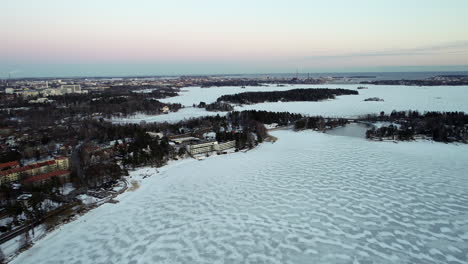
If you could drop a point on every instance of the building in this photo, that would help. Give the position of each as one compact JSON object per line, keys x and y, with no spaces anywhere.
{"x":16,"y":173}
{"x":27,"y":93}
{"x":155,"y":134}
{"x":165,"y":109}
{"x":213,"y":146}
{"x":63,"y":163}
{"x":9,"y":165}
{"x":201,"y":148}
{"x":41,"y":100}
{"x":62,"y":175}
{"x":182,"y":140}
{"x":226,"y":145}
{"x":9,"y":91}
{"x":209,"y":136}
{"x":70,"y":88}
{"x":51,"y":91}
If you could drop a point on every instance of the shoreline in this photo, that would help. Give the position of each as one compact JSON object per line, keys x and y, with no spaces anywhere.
{"x":86,"y":209}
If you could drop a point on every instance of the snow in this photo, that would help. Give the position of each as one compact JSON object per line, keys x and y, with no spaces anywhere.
{"x":24,"y":196}
{"x":5,"y":221}
{"x":209,"y":135}
{"x":443,"y":98}
{"x":436,"y":98}
{"x":382,"y":124}
{"x":87,"y":199}
{"x":172,"y":117}
{"x":48,"y":205}
{"x":271,"y":126}
{"x":308,"y":198}
{"x":67,"y":188}
{"x":12,"y":246}
{"x":194,"y":95}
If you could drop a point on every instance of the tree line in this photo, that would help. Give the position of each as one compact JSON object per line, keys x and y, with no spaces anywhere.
{"x":285,"y":96}
{"x":405,"y":125}
{"x":319,"y":123}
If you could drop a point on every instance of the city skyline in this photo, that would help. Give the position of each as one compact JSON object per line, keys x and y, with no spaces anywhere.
{"x":89,"y":38}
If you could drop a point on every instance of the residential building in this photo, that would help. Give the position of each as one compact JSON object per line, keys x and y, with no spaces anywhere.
{"x":9,"y":165}
{"x":70,"y":88}
{"x":62,"y":175}
{"x":165,"y":109}
{"x":201,"y":148}
{"x":16,"y":173}
{"x":208,"y":147}
{"x":9,"y":91}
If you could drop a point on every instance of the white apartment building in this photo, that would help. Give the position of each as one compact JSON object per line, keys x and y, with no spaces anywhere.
{"x":70,"y":88}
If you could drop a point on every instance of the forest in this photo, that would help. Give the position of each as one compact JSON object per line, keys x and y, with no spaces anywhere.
{"x":319,"y":123}
{"x":84,"y":105}
{"x":406,"y":125}
{"x":216,"y":106}
{"x":285,"y":96}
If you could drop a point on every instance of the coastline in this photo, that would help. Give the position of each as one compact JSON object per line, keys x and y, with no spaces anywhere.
{"x":139,"y":175}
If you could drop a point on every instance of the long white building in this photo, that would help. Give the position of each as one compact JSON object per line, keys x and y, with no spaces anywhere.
{"x":209,"y":147}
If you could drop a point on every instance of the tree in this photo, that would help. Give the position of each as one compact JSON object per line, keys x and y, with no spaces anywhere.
{"x":25,"y":239}
{"x":181,"y":152}
{"x":10,"y":155}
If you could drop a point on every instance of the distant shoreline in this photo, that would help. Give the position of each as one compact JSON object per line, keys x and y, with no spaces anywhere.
{"x":356,"y":75}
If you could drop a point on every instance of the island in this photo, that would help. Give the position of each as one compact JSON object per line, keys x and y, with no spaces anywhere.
{"x":375,"y":99}
{"x":410,"y":125}
{"x":293,"y":95}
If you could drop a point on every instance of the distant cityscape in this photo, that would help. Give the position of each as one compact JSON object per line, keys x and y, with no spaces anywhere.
{"x":45,"y":87}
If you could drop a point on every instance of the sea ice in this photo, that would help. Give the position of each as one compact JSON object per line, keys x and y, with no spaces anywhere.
{"x":308,"y":198}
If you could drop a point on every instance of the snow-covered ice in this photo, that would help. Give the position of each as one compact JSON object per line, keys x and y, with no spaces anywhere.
{"x":308,"y":198}
{"x":194,"y":95}
{"x":401,"y":98}
{"x":436,"y":98}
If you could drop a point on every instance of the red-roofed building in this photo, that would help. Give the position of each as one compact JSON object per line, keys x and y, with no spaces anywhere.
{"x":63,"y":176}
{"x":9,"y":165}
{"x":19,"y":173}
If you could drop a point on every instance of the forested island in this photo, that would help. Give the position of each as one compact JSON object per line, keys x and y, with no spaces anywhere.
{"x":216,"y":106}
{"x":285,"y":96}
{"x":409,"y":125}
{"x":373,"y":99}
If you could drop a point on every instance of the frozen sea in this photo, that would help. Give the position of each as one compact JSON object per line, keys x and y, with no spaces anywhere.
{"x":308,"y":198}
{"x":434,"y":98}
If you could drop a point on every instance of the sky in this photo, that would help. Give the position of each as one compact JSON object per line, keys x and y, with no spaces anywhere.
{"x":50,"y":38}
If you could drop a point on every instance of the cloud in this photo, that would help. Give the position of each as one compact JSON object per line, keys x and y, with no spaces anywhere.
{"x":449,"y":48}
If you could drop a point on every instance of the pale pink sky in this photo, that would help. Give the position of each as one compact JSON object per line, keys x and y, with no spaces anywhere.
{"x":306,"y":34}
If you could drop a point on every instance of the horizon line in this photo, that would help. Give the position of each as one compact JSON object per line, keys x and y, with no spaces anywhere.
{"x":220,"y":74}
